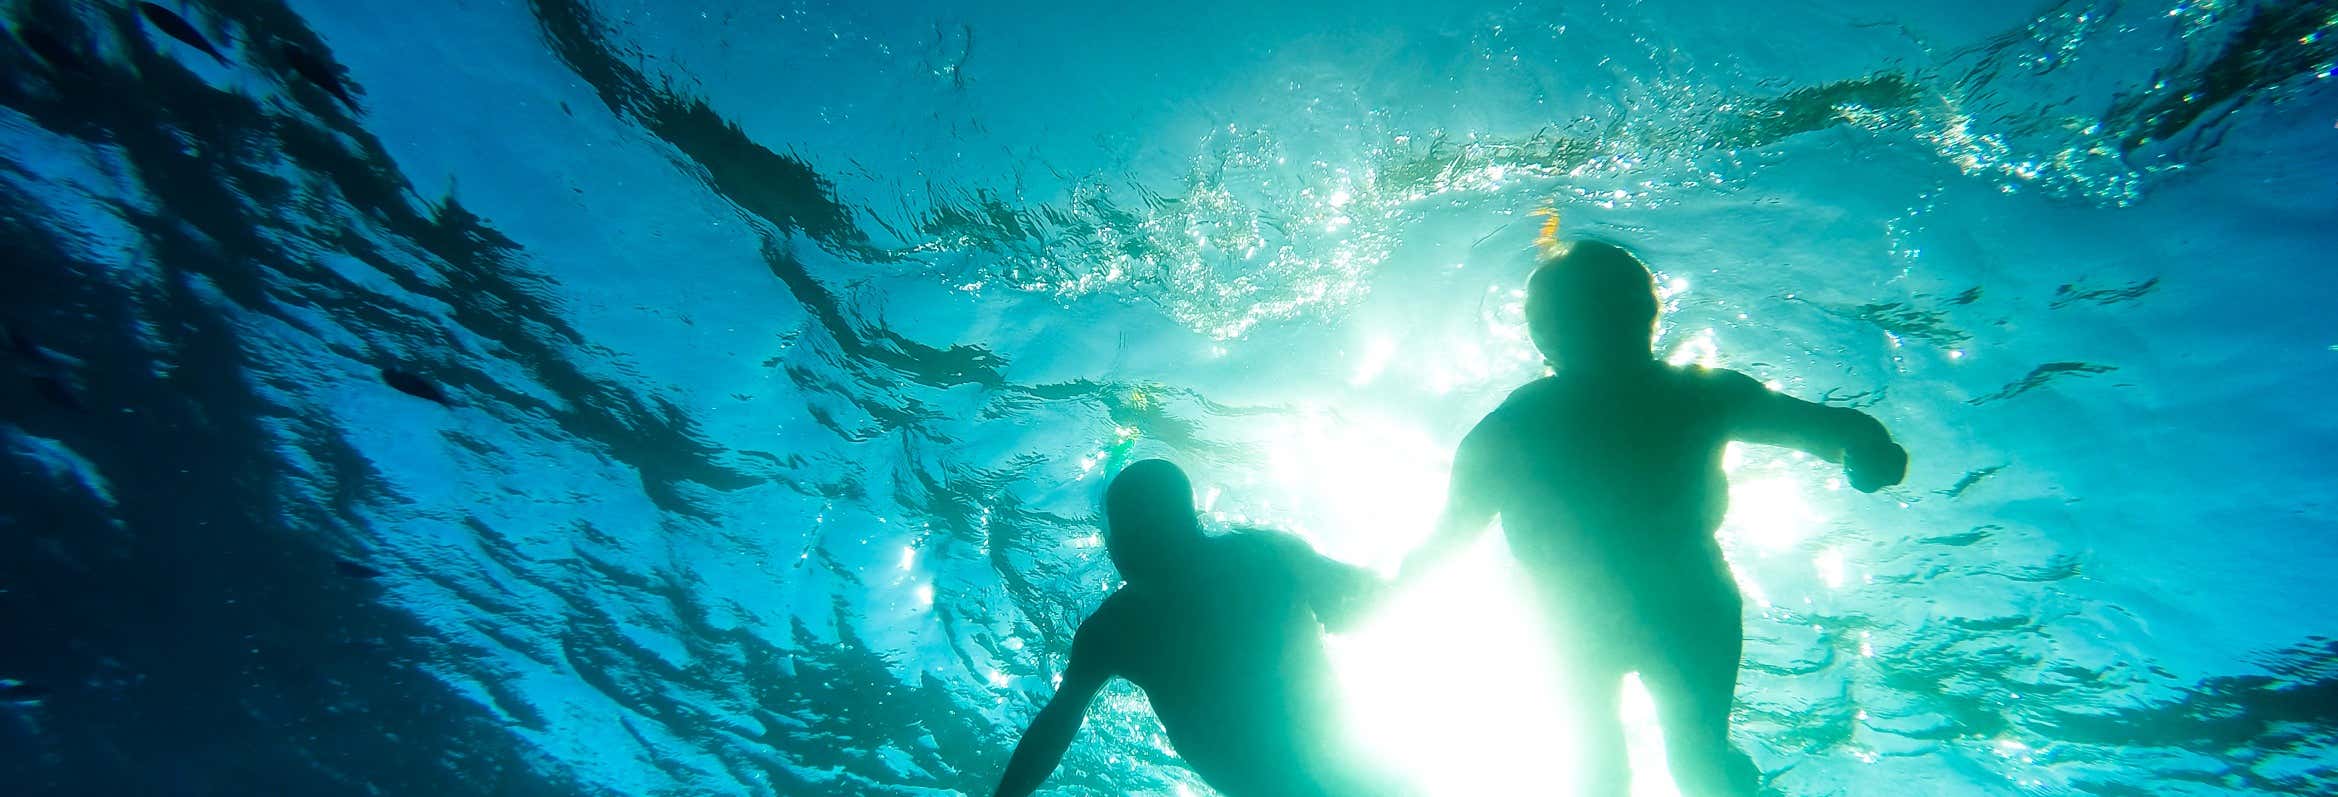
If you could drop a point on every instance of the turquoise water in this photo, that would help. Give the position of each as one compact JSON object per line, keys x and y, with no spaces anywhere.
{"x":784,"y":348}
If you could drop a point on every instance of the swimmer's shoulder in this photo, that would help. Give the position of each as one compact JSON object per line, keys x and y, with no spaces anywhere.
{"x":1119,"y":608}
{"x":1104,"y":637}
{"x":1551,"y":395}
{"x":1267,"y":536}
{"x":1721,"y":385}
{"x":1526,"y":406}
{"x":1540,"y":391}
{"x":1265,"y":546}
{"x":1530,"y":399}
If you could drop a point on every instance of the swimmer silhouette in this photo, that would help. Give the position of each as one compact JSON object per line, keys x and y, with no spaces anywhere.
{"x":1224,"y":634}
{"x":1607,"y":478}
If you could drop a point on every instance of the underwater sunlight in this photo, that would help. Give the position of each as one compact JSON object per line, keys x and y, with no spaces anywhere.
{"x":909,"y":398}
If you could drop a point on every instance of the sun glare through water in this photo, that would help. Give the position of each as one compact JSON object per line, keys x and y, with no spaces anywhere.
{"x":1451,"y":684}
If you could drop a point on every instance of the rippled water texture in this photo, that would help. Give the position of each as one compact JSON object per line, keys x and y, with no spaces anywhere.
{"x":632,"y":397}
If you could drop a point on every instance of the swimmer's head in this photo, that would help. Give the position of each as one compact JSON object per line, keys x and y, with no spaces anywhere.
{"x":1149,"y":519}
{"x":1591,"y":304}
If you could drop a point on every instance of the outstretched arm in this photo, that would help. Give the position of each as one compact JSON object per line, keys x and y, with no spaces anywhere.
{"x":1338,"y":592}
{"x":1469,"y":507}
{"x":1052,"y":731}
{"x":1836,"y":434}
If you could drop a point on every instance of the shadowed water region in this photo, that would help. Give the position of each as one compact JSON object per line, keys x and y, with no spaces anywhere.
{"x":623,"y":397}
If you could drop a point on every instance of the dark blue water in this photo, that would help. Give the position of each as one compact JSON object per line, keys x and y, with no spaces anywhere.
{"x":568,"y":397}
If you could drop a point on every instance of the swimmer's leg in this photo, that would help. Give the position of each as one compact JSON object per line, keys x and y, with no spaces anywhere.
{"x":1694,"y":684}
{"x":1602,"y":768}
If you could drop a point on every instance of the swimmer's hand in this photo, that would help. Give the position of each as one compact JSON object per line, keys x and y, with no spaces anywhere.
{"x":1873,"y":468}
{"x":1362,"y":598}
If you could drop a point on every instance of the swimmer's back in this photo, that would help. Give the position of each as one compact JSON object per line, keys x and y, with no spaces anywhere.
{"x":1613,"y":470}
{"x":1246,"y":618}
{"x":1233,"y":664}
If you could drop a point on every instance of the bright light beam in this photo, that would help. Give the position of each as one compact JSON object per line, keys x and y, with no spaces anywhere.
{"x":1454,"y":684}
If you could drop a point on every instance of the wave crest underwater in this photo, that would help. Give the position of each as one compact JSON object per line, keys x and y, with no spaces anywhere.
{"x":629,"y":398}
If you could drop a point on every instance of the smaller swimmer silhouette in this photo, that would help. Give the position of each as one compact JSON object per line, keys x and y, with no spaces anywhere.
{"x":416,"y":385}
{"x":325,"y":75}
{"x":1224,"y":634}
{"x":52,"y":50}
{"x":1607,"y":478}
{"x":177,"y":27}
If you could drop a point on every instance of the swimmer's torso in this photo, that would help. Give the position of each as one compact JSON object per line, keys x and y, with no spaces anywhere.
{"x":1612,"y":485}
{"x":1234,"y":666}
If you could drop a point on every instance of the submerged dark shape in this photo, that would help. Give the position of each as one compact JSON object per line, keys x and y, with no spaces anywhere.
{"x":177,"y":26}
{"x":52,"y":50}
{"x":196,"y":471}
{"x":315,"y":70}
{"x":20,"y":344}
{"x":416,"y":386}
{"x":2069,"y":294}
{"x":1970,"y":478}
{"x":50,"y":373}
{"x":1224,"y":634}
{"x":2041,"y":375}
{"x":1607,"y":478}
{"x":1764,"y":122}
{"x":781,"y":188}
{"x":14,"y":691}
{"x":355,"y":569}
{"x":58,"y":390}
{"x":1909,"y":321}
{"x":2278,"y":43}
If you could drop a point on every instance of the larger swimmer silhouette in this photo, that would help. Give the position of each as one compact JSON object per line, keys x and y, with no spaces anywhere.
{"x":1607,"y":477}
{"x":1224,"y":634}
